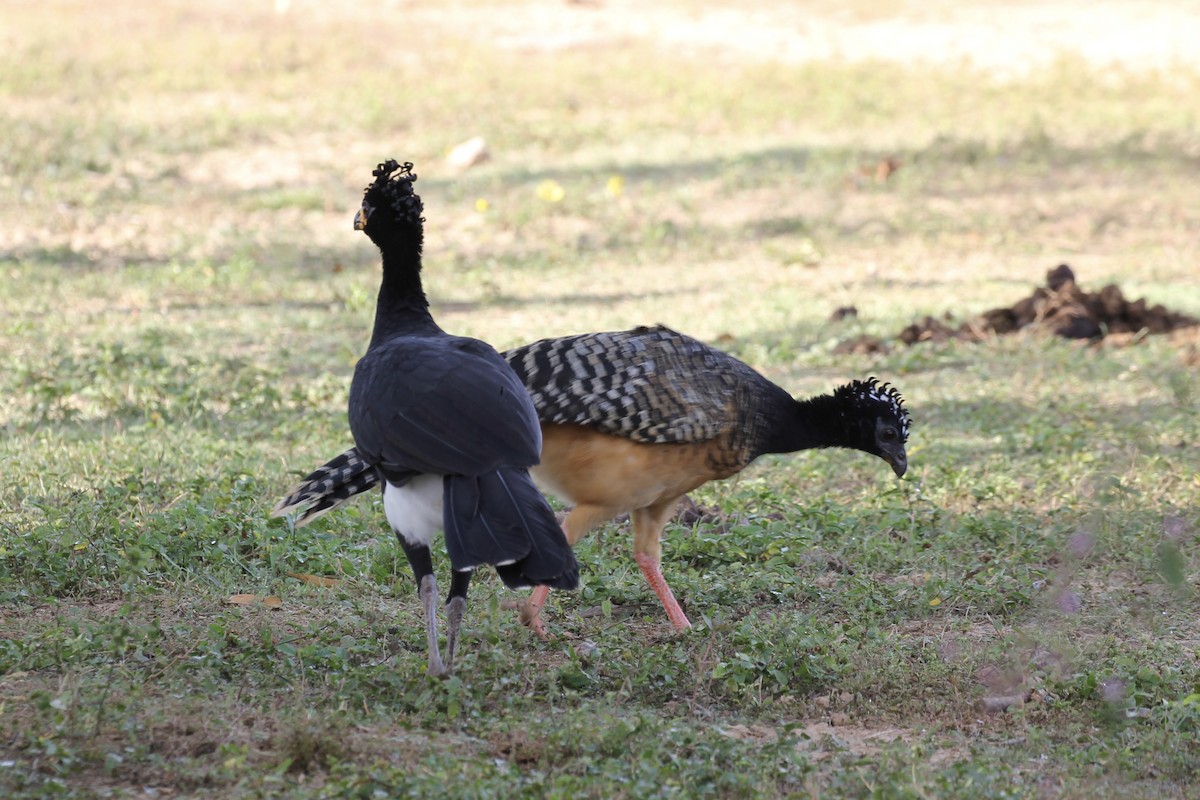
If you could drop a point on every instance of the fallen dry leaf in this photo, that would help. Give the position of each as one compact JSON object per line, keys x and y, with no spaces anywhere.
{"x":818,"y":737}
{"x":270,"y":601}
{"x":754,"y":733}
{"x":314,"y":580}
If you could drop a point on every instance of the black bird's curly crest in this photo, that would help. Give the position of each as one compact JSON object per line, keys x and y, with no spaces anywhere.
{"x":871,"y":392}
{"x":393,"y":186}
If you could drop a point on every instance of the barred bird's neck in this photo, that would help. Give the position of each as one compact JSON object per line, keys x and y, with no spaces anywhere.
{"x":817,"y":422}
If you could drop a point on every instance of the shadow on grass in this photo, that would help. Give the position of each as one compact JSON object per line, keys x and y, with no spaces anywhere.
{"x":568,"y":299}
{"x":770,"y":161}
{"x":830,"y":167}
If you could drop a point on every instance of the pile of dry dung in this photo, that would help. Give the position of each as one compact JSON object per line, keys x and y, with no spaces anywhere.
{"x":1060,"y":308}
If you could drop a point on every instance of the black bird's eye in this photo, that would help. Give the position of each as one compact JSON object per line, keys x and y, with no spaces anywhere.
{"x":888,"y":434}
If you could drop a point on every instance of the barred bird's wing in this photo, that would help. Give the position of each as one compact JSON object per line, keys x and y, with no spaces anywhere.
{"x":649,"y":384}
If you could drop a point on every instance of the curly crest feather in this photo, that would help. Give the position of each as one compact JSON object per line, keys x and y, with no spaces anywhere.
{"x":393,"y":186}
{"x":872,"y":391}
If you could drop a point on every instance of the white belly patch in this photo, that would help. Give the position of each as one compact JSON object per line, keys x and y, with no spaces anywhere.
{"x":414,"y":510}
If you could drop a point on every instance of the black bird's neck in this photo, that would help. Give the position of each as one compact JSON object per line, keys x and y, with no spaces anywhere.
{"x":820,"y":421}
{"x":402,"y":306}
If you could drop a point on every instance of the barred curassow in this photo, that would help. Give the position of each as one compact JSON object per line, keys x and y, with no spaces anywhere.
{"x":633,"y":420}
{"x":449,"y":429}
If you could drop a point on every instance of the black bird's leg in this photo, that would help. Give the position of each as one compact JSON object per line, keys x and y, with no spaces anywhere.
{"x":456,"y":604}
{"x":422,"y":565}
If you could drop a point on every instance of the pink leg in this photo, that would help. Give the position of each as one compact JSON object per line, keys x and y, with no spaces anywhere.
{"x":579,"y":521}
{"x":531,"y":611}
{"x":653,"y":572}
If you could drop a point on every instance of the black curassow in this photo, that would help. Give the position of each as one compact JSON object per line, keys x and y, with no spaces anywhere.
{"x":632,"y":420}
{"x":444,"y":423}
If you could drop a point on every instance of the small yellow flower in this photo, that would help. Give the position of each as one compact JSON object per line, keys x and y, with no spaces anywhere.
{"x":482,"y":205}
{"x":615,"y":185}
{"x":937,"y":601}
{"x":80,"y":546}
{"x":550,"y":191}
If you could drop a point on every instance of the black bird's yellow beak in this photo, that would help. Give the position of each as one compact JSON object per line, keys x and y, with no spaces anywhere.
{"x":360,"y":219}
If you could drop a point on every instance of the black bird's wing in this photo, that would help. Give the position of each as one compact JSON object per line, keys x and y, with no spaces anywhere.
{"x":441,"y":404}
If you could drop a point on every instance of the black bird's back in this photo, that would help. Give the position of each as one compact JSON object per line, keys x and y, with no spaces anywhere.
{"x":435,"y":403}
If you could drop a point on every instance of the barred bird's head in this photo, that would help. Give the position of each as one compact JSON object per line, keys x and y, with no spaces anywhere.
{"x":877,"y":414}
{"x":391,"y":211}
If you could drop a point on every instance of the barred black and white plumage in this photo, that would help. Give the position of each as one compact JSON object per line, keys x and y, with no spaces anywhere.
{"x":649,"y":384}
{"x":327,"y":487}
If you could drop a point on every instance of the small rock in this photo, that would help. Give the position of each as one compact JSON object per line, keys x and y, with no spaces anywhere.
{"x":1174,"y":527}
{"x":862,"y":345}
{"x":690,"y":513}
{"x":844,"y":312}
{"x":1070,"y":602}
{"x":466,"y":155}
{"x":997,"y":703}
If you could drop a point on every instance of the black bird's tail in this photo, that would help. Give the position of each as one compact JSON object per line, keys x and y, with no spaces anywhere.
{"x":332,"y":484}
{"x":500,"y":518}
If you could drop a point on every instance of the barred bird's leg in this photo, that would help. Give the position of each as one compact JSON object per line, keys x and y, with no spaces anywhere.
{"x":581,"y":519}
{"x":648,"y":524}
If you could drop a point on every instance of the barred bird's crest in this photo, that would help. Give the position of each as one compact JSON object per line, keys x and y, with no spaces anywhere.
{"x":870,"y":395}
{"x":650,"y":385}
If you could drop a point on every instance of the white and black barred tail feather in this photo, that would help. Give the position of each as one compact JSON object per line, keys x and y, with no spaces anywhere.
{"x":328,"y":487}
{"x":500,"y":518}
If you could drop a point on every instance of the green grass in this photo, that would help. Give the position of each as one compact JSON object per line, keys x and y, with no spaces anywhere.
{"x":183,"y":302}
